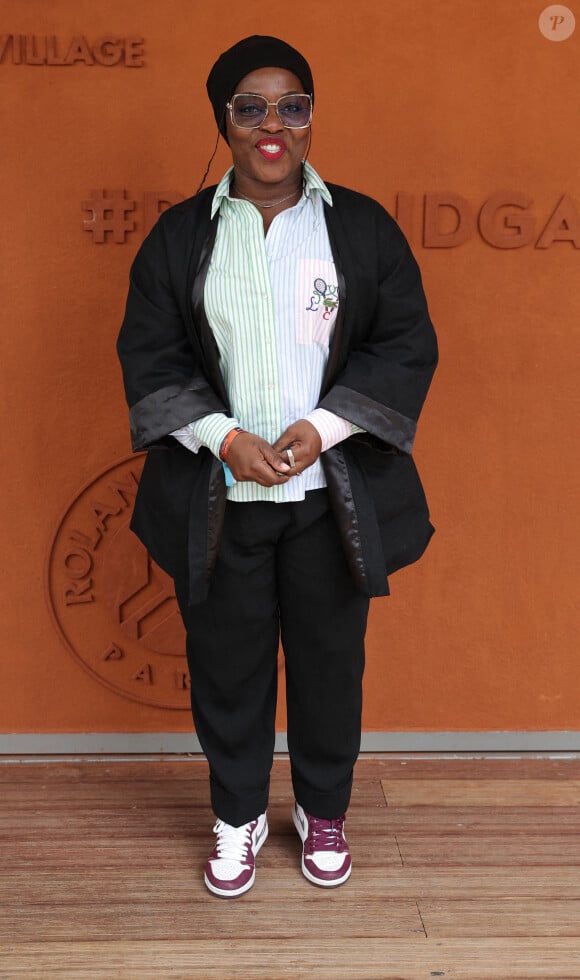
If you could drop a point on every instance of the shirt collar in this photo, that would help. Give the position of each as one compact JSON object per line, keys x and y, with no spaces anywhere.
{"x":312,"y":183}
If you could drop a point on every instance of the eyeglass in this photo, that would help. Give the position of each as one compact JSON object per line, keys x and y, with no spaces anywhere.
{"x":249,"y":111}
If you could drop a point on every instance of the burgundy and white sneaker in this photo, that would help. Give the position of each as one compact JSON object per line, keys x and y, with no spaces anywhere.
{"x":325,"y":854}
{"x":231,"y":866}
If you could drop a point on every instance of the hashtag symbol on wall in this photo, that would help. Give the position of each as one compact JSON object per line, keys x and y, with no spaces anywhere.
{"x":109,"y":210}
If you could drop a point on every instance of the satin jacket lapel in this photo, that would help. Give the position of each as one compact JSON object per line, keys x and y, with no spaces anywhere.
{"x":338,"y":338}
{"x":199,"y":322}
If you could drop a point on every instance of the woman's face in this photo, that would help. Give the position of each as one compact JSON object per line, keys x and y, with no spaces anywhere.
{"x":270,"y":154}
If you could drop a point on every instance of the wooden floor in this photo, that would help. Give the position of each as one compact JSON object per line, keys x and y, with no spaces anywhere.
{"x":462,"y":869}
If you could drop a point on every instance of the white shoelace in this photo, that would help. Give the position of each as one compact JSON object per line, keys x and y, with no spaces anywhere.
{"x":233,"y":842}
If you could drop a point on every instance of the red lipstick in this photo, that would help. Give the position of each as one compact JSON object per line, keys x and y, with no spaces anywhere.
{"x":271,"y":148}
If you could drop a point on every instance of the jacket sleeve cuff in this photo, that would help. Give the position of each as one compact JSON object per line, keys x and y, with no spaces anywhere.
{"x":331,"y":428}
{"x":380,"y":420}
{"x":167,"y":409}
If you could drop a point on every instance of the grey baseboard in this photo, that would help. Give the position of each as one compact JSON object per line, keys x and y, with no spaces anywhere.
{"x":178,"y":743}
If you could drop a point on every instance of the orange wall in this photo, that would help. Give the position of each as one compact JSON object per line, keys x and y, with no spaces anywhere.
{"x":457,"y":97}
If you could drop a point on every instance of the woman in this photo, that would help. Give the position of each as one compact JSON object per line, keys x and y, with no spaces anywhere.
{"x":276,"y":352}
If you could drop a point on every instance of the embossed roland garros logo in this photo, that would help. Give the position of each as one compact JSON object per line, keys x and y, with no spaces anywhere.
{"x":113,"y":606}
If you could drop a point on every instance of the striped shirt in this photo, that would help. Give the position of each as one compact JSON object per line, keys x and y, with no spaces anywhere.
{"x":271,"y":302}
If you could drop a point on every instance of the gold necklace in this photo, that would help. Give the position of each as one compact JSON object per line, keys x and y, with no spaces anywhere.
{"x":274,"y":205}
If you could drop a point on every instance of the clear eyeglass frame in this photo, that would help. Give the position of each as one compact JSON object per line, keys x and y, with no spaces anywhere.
{"x":245,"y":95}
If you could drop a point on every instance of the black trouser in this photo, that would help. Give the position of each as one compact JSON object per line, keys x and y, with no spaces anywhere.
{"x":281,"y":570}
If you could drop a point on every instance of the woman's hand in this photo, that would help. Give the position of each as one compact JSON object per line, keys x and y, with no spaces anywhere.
{"x":304,"y":441}
{"x":251,"y":458}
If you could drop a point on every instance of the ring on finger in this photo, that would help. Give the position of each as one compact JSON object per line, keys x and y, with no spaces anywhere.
{"x":291,"y":459}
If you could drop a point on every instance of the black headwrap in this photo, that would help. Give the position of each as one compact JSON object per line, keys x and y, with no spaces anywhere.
{"x":246,"y":56}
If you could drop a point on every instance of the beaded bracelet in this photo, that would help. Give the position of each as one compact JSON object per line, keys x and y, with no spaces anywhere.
{"x":227,"y":441}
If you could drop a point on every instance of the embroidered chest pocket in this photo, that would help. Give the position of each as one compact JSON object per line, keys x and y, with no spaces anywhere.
{"x":317,"y":295}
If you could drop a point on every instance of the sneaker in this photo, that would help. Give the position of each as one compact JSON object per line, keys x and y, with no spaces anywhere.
{"x":231,"y":868}
{"x":325,"y":854}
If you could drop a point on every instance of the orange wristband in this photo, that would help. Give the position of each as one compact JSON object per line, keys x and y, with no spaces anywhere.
{"x":227,"y":441}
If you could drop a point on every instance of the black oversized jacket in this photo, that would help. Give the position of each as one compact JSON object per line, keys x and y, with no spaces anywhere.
{"x":381,"y":360}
